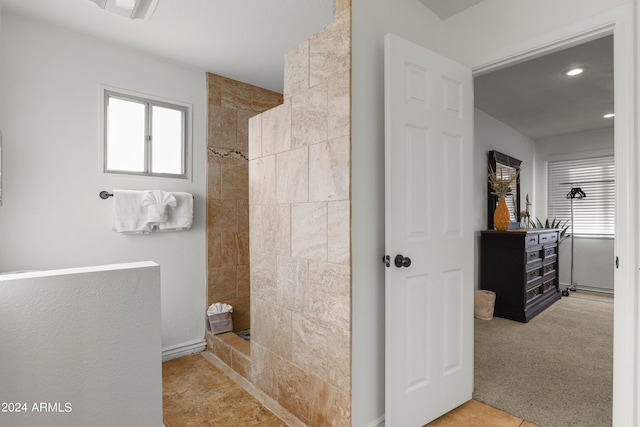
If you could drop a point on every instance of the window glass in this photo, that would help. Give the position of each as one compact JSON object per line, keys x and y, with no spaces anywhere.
{"x":167,"y":130}
{"x":125,"y":135}
{"x":144,"y":136}
{"x":594,"y":203}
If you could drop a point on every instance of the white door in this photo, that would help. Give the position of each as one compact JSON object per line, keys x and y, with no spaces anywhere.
{"x":429,"y":220}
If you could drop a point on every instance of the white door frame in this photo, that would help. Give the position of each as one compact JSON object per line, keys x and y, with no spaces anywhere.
{"x":619,"y":22}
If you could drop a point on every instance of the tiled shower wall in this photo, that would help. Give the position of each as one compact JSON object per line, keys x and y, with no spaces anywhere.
{"x":299,"y":208}
{"x":231,"y":104}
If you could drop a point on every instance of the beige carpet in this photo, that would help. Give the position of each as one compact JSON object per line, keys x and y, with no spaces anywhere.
{"x":556,"y":370}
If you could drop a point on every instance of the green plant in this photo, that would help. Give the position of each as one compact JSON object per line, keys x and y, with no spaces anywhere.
{"x":559,"y":224}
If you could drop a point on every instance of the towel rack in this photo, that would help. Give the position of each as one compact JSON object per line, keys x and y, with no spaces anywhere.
{"x":104,"y":195}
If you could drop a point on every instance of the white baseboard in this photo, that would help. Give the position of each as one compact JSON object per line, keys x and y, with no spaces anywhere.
{"x":377,"y":423}
{"x":183,"y":349}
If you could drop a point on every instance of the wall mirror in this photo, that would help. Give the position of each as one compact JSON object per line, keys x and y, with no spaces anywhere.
{"x":505,"y":166}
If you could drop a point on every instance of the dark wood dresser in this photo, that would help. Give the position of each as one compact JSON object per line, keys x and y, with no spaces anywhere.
{"x":521,"y":267}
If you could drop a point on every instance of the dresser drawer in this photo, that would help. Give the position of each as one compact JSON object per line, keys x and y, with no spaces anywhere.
{"x":531,"y":240}
{"x":549,"y":269}
{"x":533,"y":275}
{"x":533,"y":294}
{"x":547,"y":238}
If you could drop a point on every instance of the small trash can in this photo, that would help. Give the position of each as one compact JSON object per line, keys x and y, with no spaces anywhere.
{"x":219,"y":318}
{"x":483,"y":304}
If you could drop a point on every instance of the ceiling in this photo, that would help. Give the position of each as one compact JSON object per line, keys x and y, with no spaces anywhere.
{"x":534,"y":97}
{"x":448,"y":8}
{"x":241,"y":39}
{"x":246,"y":40}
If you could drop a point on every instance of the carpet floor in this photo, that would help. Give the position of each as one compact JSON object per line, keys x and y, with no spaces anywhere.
{"x":556,"y":370}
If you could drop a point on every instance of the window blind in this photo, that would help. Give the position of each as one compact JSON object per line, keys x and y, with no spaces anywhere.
{"x":593,"y":215}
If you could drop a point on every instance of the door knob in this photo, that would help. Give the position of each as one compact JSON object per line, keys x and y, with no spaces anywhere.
{"x":401,"y":261}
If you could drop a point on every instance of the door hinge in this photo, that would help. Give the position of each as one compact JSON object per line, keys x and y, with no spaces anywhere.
{"x":617,"y":262}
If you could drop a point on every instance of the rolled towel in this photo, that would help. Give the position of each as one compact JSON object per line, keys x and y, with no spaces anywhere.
{"x":157,"y":202}
{"x":218,"y":308}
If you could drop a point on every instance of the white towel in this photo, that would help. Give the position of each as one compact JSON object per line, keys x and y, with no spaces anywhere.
{"x":129,"y":216}
{"x":157,"y":202}
{"x":218,"y":308}
{"x":180,"y":216}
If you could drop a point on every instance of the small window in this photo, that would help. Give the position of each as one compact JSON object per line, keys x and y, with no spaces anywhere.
{"x":144,"y":136}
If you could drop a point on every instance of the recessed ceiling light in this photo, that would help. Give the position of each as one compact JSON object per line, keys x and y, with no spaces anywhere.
{"x":608,"y":115}
{"x":571,"y":72}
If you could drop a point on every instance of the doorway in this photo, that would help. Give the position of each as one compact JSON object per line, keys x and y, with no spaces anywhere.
{"x":624,"y":159}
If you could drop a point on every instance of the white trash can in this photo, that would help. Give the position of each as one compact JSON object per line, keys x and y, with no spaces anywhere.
{"x":483,"y":304}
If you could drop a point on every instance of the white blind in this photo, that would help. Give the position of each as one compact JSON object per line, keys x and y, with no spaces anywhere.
{"x":593,"y":214}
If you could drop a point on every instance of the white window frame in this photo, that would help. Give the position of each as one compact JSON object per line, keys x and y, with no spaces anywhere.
{"x":149,"y":101}
{"x":594,"y":216}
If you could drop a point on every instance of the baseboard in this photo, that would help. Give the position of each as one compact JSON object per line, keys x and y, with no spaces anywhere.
{"x":183,"y":349}
{"x":588,"y":288}
{"x":377,"y":423}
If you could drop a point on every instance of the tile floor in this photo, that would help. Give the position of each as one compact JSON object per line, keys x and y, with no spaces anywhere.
{"x":199,"y":390}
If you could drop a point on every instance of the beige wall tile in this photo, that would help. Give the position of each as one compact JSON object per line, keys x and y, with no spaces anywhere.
{"x":213,"y":249}
{"x":222,"y":215}
{"x":309,"y":116}
{"x":214,"y":178}
{"x":296,"y":70}
{"x":229,"y":249}
{"x":241,"y":312}
{"x":244,"y":257}
{"x":256,"y":238}
{"x":244,"y":282}
{"x":263,"y":99}
{"x":339,"y":232}
{"x":292,"y":169}
{"x":243,"y":129}
{"x":330,"y":49}
{"x":255,"y":137}
{"x":329,"y":170}
{"x":284,"y":230}
{"x":262,"y":181}
{"x":339,"y":364}
{"x":222,"y":284}
{"x":310,"y":346}
{"x":243,"y":214}
{"x":294,"y":389}
{"x":342,"y":5}
{"x":276,"y":129}
{"x":263,"y":277}
{"x":329,"y":406}
{"x":270,"y":228}
{"x":271,"y":328}
{"x":235,"y":180}
{"x":213,"y":89}
{"x":264,"y":369}
{"x":222,"y":127}
{"x":234,"y":94}
{"x":293,"y":278}
{"x":309,"y":231}
{"x":329,"y":296}
{"x":339,"y":97}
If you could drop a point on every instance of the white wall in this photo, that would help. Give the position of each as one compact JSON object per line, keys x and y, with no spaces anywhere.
{"x":485,"y":32}
{"x":52,"y":216}
{"x":85,"y":342}
{"x":593,"y":258}
{"x":492,"y":134}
